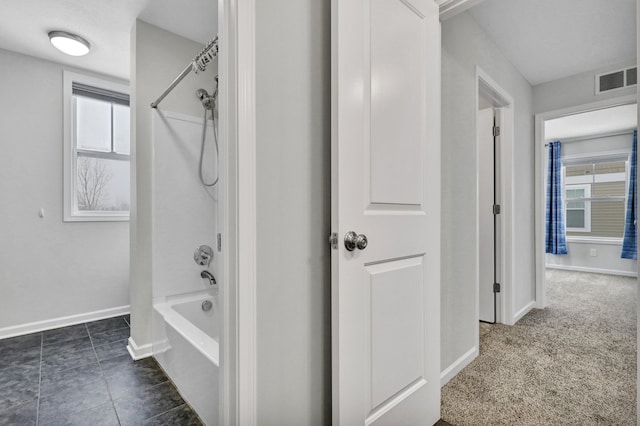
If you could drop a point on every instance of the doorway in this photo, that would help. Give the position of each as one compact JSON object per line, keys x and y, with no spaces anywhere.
{"x":599,"y":134}
{"x":494,"y":137}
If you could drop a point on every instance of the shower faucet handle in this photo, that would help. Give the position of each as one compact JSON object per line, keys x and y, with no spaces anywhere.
{"x":203,"y":255}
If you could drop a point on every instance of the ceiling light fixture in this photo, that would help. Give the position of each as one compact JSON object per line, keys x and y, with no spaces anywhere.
{"x":68,"y":43}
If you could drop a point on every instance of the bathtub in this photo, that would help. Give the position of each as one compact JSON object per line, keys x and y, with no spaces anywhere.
{"x":185,"y":344}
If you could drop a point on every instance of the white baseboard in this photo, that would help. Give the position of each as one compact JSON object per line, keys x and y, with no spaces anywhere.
{"x":33,"y":327}
{"x":524,"y":311}
{"x":594,"y":270}
{"x":139,"y":352}
{"x":457,"y":366}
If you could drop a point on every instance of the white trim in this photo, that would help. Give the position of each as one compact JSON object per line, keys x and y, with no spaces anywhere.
{"x":524,"y":311}
{"x":595,"y":240}
{"x":593,"y":270}
{"x":458,"y":365}
{"x":451,"y":8}
{"x":139,"y":352}
{"x":246,"y":328}
{"x":33,"y":327}
{"x":540,"y":178}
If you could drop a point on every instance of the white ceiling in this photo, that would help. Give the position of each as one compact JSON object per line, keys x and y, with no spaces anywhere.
{"x":106,"y":24}
{"x":551,"y":39}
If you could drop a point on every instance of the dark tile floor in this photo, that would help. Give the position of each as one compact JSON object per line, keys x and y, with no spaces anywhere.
{"x":83,"y":375}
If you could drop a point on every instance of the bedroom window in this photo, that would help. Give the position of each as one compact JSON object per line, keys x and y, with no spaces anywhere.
{"x":595,"y":194}
{"x":97,"y":150}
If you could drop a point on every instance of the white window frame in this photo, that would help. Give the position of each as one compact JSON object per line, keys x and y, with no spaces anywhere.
{"x":70,"y":154}
{"x":587,"y":206}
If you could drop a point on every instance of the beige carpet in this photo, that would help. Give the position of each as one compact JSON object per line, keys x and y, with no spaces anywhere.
{"x":572,"y":363}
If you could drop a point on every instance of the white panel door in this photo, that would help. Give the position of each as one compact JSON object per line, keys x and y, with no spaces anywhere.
{"x":386,"y":186}
{"x":485,"y":209}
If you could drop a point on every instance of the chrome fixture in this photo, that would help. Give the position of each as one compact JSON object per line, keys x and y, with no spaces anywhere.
{"x":203,"y":255}
{"x":207,"y":305}
{"x":353,"y":241}
{"x":69,"y":43}
{"x":208,"y":275}
{"x":209,"y":104}
{"x":199,"y":63}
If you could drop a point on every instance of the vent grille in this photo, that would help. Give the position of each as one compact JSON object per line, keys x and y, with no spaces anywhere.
{"x":618,"y":79}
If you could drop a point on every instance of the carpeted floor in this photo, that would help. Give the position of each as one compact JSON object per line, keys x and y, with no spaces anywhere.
{"x":572,"y":363}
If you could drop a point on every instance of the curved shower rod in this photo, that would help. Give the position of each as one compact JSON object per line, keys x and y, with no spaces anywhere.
{"x":198,"y":64}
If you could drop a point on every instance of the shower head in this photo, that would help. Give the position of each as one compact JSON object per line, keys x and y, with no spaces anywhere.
{"x":206,"y":56}
{"x":207,"y":101}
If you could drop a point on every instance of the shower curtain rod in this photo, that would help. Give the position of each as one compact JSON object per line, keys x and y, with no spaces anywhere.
{"x":199,"y":63}
{"x":601,"y":135}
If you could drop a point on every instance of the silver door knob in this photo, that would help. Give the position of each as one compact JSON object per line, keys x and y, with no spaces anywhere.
{"x":353,"y":241}
{"x":361,"y":241}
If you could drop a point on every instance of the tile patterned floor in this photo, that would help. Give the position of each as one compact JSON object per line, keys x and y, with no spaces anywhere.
{"x":83,"y":375}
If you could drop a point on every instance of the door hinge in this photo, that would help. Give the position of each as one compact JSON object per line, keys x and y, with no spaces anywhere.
{"x":333,"y":240}
{"x":219,"y":242}
{"x":496,"y":287}
{"x":496,"y":209}
{"x":496,"y":131}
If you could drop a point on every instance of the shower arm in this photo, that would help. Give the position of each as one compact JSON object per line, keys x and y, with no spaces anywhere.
{"x":198,"y":63}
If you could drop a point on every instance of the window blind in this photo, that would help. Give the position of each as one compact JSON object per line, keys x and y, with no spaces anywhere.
{"x":80,"y":89}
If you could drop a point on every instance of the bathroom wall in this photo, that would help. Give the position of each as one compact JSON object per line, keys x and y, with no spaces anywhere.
{"x":293,"y":210}
{"x":465,"y":45}
{"x":157,"y":57}
{"x":52,"y":273}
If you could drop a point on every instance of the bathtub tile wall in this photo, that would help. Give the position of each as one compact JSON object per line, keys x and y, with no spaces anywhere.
{"x":83,"y":374}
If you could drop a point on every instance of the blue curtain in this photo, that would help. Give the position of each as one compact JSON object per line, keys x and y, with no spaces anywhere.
{"x":630,"y":243}
{"x":556,"y":239}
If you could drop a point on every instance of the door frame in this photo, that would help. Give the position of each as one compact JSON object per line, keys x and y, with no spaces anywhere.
{"x":238,"y":385}
{"x":540,"y":179}
{"x":238,"y":355}
{"x":505,"y":112}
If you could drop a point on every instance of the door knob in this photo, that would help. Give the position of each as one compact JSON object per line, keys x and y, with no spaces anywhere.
{"x":361,"y":241}
{"x":353,"y":241}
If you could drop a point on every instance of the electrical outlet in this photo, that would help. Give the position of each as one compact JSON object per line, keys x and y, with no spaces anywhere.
{"x":593,"y":252}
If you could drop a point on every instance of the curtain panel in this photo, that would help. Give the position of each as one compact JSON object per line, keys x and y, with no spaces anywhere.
{"x":556,"y":238}
{"x":629,"y":242}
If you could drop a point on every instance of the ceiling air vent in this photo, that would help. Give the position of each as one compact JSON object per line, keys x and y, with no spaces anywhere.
{"x":618,"y":79}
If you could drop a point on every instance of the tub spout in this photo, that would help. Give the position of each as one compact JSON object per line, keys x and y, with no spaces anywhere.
{"x":208,"y":275}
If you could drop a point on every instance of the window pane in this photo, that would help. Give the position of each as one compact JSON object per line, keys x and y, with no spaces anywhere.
{"x":580,"y":170}
{"x":102,"y":184}
{"x":575,"y":193}
{"x":575,"y":219}
{"x":575,"y":205}
{"x":121,"y":129}
{"x":93,"y":124}
{"x":607,"y":219}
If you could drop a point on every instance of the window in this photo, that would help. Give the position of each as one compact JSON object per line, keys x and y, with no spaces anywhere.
{"x":595,"y":193}
{"x":97,"y":151}
{"x":578,"y":211}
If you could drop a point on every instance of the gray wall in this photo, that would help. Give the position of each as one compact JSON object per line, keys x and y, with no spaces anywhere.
{"x":48,"y":268}
{"x":293,"y":209}
{"x":575,"y":90}
{"x":464,"y":44}
{"x":157,"y":57}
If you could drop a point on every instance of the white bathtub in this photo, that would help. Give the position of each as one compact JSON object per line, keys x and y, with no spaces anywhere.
{"x":186,"y":347}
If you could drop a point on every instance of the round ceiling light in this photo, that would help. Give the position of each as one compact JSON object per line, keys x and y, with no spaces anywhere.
{"x":68,"y":43}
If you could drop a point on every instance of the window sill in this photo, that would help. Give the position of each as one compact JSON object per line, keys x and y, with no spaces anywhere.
{"x":97,"y":218}
{"x":595,"y":240}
